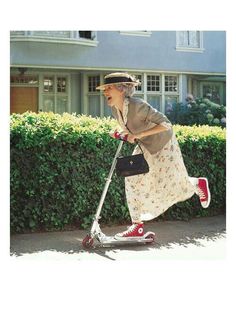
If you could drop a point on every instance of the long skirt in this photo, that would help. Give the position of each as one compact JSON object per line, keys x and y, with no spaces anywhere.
{"x":167,"y":183}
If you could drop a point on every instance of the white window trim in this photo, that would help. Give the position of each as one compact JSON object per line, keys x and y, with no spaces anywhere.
{"x":199,"y":49}
{"x":136,"y":33}
{"x":73,"y":39}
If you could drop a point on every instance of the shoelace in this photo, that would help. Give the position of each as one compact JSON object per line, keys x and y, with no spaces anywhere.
{"x":201,"y":193}
{"x":130,"y":229}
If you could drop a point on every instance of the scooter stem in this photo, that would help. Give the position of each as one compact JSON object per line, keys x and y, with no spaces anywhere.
{"x":108,"y":181}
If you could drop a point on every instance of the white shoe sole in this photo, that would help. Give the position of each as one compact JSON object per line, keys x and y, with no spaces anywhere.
{"x":132,"y":238}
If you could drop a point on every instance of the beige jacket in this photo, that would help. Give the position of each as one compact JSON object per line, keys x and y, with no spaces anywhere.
{"x":141,"y":117}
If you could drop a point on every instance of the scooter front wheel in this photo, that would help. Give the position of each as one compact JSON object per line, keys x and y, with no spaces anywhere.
{"x":87,"y":242}
{"x":150,"y":236}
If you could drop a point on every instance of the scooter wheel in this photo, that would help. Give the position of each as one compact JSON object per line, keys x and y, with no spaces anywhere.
{"x":150,"y":236}
{"x":87,"y":242}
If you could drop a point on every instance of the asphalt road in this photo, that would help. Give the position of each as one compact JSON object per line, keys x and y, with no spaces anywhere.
{"x":197,"y":239}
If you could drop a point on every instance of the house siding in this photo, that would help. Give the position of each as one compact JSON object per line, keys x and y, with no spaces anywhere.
{"x":113,"y":51}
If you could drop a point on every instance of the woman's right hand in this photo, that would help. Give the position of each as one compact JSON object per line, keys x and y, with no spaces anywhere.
{"x":112,"y":134}
{"x":118,"y":135}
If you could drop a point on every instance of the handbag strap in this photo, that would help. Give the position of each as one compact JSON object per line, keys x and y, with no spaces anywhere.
{"x":136,"y":140}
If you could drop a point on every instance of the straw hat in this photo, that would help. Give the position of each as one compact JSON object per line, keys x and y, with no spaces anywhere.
{"x":118,"y":78}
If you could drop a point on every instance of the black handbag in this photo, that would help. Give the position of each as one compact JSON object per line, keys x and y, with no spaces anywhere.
{"x":131,"y":165}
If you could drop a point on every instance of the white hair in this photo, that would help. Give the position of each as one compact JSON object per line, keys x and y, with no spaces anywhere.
{"x":128,"y":89}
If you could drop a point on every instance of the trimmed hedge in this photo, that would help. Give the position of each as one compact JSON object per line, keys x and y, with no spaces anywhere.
{"x":59,"y":165}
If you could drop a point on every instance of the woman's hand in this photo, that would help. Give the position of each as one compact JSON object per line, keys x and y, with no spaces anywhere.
{"x":112,"y":134}
{"x":118,"y":135}
{"x":132,"y":138}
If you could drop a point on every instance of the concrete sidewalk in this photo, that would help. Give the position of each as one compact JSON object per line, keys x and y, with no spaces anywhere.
{"x":198,"y":239}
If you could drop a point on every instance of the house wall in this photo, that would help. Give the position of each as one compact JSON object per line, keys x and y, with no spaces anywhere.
{"x":117,"y":51}
{"x":153,"y":53}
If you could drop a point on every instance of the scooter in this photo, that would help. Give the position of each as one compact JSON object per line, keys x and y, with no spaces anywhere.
{"x":96,"y":232}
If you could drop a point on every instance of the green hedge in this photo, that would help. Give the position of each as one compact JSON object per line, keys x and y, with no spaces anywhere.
{"x":59,"y":165}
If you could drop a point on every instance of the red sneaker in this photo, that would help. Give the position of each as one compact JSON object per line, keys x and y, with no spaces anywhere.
{"x":136,"y":230}
{"x":204,"y":192}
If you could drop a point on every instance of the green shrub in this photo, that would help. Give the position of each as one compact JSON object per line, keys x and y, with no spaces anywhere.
{"x":59,"y":165}
{"x":198,"y":112}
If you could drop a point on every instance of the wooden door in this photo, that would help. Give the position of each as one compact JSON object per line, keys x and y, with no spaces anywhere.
{"x":24,"y":99}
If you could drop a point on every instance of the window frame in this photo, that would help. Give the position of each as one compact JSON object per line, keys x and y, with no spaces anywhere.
{"x":55,"y":94}
{"x":186,"y":48}
{"x":136,"y":33}
{"x":143,"y":92}
{"x":160,"y":83}
{"x":15,"y":83}
{"x":210,"y":84}
{"x":177,"y":82}
{"x":73,"y":38}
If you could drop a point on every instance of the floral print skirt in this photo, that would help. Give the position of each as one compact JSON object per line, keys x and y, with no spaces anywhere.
{"x":167,"y":182}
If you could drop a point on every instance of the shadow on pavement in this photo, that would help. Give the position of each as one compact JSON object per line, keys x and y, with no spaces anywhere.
{"x":168,"y":235}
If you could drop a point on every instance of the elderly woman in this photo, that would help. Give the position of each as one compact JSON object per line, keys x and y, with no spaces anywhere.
{"x":167,"y":182}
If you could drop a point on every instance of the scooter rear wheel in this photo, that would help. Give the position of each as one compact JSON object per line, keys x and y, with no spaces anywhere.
{"x":87,"y":242}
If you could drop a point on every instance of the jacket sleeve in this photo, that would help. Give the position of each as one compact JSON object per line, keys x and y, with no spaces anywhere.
{"x":149,"y":114}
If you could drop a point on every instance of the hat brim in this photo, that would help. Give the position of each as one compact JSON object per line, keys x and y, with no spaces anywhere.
{"x":102,"y":87}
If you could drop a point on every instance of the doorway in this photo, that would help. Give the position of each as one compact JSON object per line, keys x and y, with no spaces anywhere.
{"x":23,"y":99}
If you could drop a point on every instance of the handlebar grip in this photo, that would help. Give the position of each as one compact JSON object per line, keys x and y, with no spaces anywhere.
{"x":118,"y":136}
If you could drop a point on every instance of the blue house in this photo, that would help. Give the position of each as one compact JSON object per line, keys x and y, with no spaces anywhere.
{"x":59,"y":70}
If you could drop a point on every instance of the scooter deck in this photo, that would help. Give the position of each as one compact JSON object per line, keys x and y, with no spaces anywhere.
{"x":112,"y":241}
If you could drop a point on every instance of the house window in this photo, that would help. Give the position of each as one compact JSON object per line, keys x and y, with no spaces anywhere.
{"x":87,"y":38}
{"x":155,"y":101}
{"x":93,"y":95}
{"x":153,"y":95}
{"x":85,"y":34}
{"x":93,"y":82}
{"x":170,"y":101}
{"x":189,"y":41}
{"x":171,"y":84}
{"x":48,"y":84}
{"x":61,"y":85}
{"x":171,"y":92}
{"x":24,"y":80}
{"x":159,"y":90}
{"x":18,"y":33}
{"x":153,"y":83}
{"x":55,"y":94}
{"x":139,"y":77}
{"x":212,"y":91}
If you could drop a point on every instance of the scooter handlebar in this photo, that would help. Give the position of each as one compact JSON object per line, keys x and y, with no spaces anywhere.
{"x":120,"y":136}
